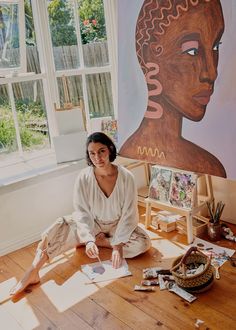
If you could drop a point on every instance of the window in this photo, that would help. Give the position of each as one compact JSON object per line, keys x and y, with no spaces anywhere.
{"x":68,"y":58}
{"x":12,"y":41}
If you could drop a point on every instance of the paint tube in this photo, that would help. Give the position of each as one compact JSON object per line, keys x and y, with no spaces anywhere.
{"x":162,"y":283}
{"x":164,"y":280}
{"x":149,"y":282}
{"x":143,"y":288}
{"x":168,"y":277}
{"x":153,"y":272}
{"x":173,"y":287}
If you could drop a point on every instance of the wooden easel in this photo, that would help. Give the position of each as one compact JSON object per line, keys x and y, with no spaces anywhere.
{"x":68,"y":105}
{"x":142,"y":191}
{"x":199,"y":202}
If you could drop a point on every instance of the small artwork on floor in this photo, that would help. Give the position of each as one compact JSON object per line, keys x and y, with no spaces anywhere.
{"x":105,"y":272}
{"x":215,"y":252}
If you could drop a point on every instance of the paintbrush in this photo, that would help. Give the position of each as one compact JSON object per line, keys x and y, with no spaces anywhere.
{"x":100,"y":262}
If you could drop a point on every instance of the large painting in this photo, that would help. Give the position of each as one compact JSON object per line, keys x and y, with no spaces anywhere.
{"x":176,"y":97}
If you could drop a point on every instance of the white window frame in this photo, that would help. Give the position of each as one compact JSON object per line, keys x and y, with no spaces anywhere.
{"x":22,"y":44}
{"x":45,"y":49}
{"x":49,"y":74}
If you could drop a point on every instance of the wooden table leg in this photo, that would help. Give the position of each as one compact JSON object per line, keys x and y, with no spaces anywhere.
{"x":189,"y":221}
{"x":148,"y":215}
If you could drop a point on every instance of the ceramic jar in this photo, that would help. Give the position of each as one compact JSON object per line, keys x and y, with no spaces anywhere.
{"x":214,"y":231}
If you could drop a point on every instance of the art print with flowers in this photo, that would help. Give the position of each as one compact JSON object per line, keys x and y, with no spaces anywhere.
{"x":183,"y":187}
{"x":109,"y":127}
{"x":159,"y":187}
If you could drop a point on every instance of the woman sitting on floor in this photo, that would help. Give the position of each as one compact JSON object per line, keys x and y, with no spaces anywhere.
{"x":106,"y":214}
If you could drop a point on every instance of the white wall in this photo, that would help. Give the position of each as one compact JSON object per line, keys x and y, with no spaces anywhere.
{"x":28,"y":207}
{"x":225,"y":191}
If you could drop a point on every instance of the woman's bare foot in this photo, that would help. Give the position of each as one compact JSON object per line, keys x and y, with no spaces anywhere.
{"x":102,"y":240}
{"x":31,"y":277}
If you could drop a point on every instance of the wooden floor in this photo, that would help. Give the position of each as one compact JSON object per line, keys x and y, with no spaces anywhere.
{"x":64,"y":301}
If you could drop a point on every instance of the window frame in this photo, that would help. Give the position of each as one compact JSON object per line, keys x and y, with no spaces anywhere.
{"x":22,"y":45}
{"x":49,"y":74}
{"x":48,"y":65}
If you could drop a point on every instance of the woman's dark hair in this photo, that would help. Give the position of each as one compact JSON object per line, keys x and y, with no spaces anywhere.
{"x":99,"y":137}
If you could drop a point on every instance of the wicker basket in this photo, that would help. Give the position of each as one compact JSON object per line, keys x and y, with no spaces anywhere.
{"x":198,"y":282}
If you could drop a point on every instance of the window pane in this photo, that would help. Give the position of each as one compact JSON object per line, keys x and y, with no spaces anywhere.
{"x":9,"y":36}
{"x":95,"y":54}
{"x":100,"y":95}
{"x":31,"y":114}
{"x":70,"y":90}
{"x":93,"y":32}
{"x":32,"y":59}
{"x":63,"y":34}
{"x":32,"y":56}
{"x":7,"y":128}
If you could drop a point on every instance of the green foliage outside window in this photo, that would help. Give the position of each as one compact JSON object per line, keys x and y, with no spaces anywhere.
{"x":61,"y":23}
{"x":92,"y":21}
{"x":29,"y":24}
{"x":28,"y":113}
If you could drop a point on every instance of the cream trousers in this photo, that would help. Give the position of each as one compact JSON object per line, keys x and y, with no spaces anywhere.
{"x":62,"y":235}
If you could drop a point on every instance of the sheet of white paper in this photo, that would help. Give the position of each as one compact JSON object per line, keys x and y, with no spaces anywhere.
{"x":95,"y":275}
{"x":218,"y":253}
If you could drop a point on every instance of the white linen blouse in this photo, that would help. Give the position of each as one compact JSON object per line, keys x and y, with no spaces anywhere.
{"x":90,"y":203}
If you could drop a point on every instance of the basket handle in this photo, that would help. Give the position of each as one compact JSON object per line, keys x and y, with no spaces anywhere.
{"x":186,"y":255}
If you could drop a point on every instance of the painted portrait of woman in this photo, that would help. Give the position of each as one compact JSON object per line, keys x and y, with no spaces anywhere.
{"x":177,"y":46}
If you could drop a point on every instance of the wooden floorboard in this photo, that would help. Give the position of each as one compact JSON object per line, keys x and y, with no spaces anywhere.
{"x":64,"y":301}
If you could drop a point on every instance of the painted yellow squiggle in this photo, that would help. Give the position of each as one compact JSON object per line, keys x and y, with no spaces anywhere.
{"x":151,"y":152}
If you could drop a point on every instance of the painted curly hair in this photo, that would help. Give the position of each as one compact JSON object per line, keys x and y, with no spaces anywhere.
{"x":154,"y":18}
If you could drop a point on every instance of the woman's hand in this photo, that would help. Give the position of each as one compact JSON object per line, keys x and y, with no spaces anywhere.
{"x":91,"y":250}
{"x":117,"y":256}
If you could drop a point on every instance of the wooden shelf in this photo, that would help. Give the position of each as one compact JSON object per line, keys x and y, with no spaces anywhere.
{"x":200,"y":202}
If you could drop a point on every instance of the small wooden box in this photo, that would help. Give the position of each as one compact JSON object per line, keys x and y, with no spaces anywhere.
{"x":166,"y":226}
{"x":199,"y":225}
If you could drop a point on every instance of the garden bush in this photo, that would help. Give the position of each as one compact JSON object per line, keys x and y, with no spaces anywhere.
{"x":27,"y":112}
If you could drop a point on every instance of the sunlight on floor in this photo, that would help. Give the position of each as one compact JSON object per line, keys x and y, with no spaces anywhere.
{"x":5,"y":287}
{"x":61,"y":259}
{"x":167,"y":248}
{"x":150,"y":233}
{"x":65,"y":296}
{"x":69,"y":291}
{"x":183,"y":246}
{"x":20,"y":311}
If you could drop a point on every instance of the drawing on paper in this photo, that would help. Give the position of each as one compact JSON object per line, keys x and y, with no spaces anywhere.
{"x":97,"y":273}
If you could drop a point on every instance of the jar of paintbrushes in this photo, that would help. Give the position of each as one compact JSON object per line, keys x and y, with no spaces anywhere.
{"x":214,"y":226}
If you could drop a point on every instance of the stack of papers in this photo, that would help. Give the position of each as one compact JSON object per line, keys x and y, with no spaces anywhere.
{"x":168,"y":216}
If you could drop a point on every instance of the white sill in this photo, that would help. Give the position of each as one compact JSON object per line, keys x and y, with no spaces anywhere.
{"x":16,"y":170}
{"x":22,"y":170}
